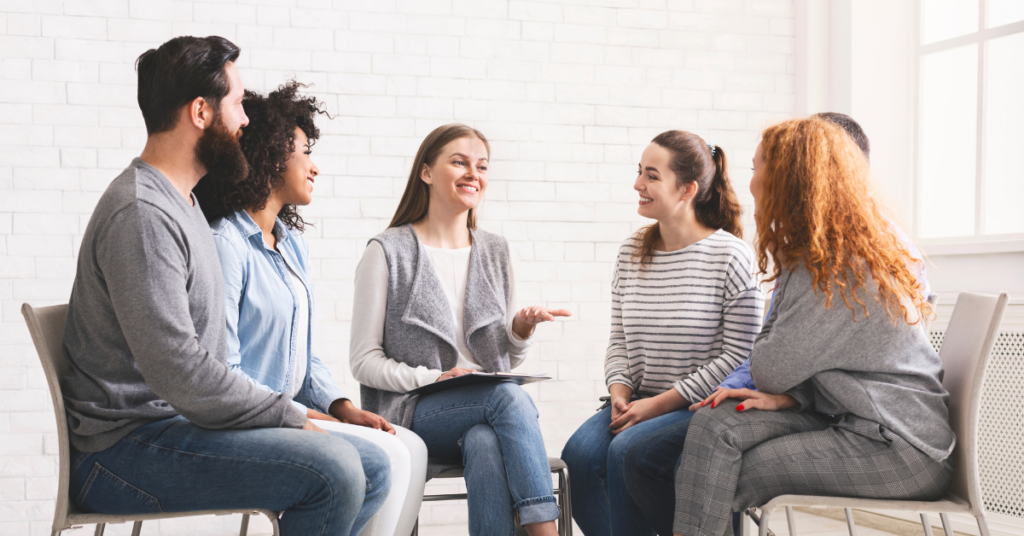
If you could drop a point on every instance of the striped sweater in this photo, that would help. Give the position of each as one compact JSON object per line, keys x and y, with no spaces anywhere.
{"x":685,"y":320}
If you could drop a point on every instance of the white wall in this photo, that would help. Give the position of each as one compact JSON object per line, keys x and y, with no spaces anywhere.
{"x":569,"y":93}
{"x":859,"y":58}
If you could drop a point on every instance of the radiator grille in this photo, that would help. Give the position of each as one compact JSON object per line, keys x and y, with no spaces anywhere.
{"x":1001,"y":448}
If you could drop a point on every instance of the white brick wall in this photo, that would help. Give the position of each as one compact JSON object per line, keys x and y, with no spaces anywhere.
{"x":569,"y":92}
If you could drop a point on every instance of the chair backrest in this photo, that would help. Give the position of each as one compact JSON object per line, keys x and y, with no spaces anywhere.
{"x":46,"y":325}
{"x":965,"y":351}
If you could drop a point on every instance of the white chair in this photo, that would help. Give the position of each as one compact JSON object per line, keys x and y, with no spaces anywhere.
{"x":46,"y":324}
{"x":965,"y":352}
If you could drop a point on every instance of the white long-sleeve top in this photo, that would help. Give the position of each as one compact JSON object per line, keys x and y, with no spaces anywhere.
{"x":370,"y":366}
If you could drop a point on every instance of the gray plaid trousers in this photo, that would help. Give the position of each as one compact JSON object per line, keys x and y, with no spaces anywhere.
{"x":735,"y":460}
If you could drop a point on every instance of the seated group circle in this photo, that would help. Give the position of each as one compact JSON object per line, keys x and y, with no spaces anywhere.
{"x":190,"y":326}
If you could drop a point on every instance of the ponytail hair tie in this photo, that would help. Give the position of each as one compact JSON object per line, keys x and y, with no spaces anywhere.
{"x":712,"y":147}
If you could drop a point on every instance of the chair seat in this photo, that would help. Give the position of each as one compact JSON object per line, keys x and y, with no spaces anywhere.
{"x":88,"y":519}
{"x":951,"y":503}
{"x":448,"y":470}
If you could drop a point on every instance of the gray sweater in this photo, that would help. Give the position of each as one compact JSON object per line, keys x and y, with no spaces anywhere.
{"x":869,"y":369}
{"x":145,"y":334}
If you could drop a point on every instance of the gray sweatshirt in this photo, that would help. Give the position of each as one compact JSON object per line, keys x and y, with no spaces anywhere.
{"x":869,"y":369}
{"x":145,"y":334}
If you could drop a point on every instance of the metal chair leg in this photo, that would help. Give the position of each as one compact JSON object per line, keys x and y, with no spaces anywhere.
{"x":55,"y":532}
{"x":849,"y":522}
{"x":926,"y":525}
{"x":762,"y":526}
{"x":982,"y":525}
{"x":947,"y":527}
{"x":567,"y":500}
{"x":790,"y":521}
{"x":416,"y":527}
{"x":100,"y":527}
{"x":244,"y":531}
{"x":137,"y":528}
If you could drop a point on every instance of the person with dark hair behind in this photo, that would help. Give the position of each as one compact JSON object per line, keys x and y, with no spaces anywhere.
{"x":270,"y":300}
{"x":157,"y":420}
{"x":685,"y":311}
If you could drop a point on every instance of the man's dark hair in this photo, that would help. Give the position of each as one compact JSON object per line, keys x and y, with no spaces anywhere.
{"x":178,"y":72}
{"x":268,"y":142}
{"x":851,"y":127}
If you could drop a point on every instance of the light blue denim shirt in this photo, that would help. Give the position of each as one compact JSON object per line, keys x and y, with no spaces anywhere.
{"x":261,"y":307}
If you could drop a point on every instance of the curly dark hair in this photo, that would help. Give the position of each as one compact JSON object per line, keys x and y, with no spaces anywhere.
{"x":267,"y":142}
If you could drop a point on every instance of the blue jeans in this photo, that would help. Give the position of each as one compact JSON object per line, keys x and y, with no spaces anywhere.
{"x":601,"y":505}
{"x":493,"y":430}
{"x":650,"y":473}
{"x":325,"y":484}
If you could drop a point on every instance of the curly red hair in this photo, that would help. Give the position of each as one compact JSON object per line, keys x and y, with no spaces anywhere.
{"x":817,"y":208}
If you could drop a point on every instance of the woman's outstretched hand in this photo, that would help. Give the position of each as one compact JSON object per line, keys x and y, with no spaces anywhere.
{"x":751,"y":400}
{"x":528,"y":317}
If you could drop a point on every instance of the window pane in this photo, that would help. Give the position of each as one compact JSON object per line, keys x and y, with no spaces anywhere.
{"x":1004,"y":136}
{"x":1002,"y":12}
{"x":949,"y":105}
{"x":942,"y":19}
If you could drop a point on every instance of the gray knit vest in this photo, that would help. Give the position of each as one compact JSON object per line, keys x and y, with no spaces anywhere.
{"x":418,"y":326}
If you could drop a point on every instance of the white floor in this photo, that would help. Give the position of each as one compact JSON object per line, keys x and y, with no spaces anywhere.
{"x":806,"y":525}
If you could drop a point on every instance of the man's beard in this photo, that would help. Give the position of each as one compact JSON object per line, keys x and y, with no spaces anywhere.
{"x":219,"y":152}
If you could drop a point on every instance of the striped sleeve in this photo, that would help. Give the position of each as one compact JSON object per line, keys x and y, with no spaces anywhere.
{"x":616,"y":360}
{"x":741,"y":321}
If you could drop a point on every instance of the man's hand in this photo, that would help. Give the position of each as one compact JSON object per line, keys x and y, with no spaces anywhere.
{"x":751,"y":400}
{"x":348,"y":413}
{"x":528,"y":317}
{"x":452,"y":373}
{"x":314,"y":414}
{"x":312,"y":427}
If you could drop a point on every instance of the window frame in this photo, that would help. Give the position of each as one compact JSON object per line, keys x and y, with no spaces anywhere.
{"x":978,"y":242}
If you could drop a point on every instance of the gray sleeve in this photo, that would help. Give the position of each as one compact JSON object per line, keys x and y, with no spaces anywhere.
{"x":787,"y":351}
{"x":143,"y":259}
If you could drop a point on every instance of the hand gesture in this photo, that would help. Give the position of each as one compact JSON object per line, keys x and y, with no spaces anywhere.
{"x":314,"y":414}
{"x":751,"y":400}
{"x":528,"y":317}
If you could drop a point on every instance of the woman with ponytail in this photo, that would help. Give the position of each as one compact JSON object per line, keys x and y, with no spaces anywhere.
{"x":685,"y":311}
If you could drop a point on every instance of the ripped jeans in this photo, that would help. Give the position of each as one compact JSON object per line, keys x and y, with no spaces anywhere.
{"x":493,"y":430}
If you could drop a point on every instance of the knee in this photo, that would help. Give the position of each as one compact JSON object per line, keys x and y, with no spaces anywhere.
{"x":340,"y":473}
{"x":480,"y":444}
{"x":511,"y":396}
{"x":376,"y":466}
{"x":412,"y":443}
{"x":580,"y":452}
{"x":716,"y":422}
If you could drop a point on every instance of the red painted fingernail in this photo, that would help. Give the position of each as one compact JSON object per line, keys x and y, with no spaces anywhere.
{"x":713,"y":404}
{"x":739,"y":407}
{"x":702,"y":402}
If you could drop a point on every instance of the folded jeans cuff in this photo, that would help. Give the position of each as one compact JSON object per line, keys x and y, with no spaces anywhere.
{"x":537,"y":510}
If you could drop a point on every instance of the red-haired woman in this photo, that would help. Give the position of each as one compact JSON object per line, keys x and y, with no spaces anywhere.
{"x":850,"y":399}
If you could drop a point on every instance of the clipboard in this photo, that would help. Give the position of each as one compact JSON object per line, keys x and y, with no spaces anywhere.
{"x":474,"y":378}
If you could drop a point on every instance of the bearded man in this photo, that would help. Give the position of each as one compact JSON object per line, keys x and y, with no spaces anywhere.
{"x":158,"y":423}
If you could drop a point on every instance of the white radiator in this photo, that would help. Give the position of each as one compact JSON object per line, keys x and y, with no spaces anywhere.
{"x":1001,"y":449}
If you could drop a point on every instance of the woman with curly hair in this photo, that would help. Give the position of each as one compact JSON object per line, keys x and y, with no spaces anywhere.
{"x":269,"y":297}
{"x":850,"y":399}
